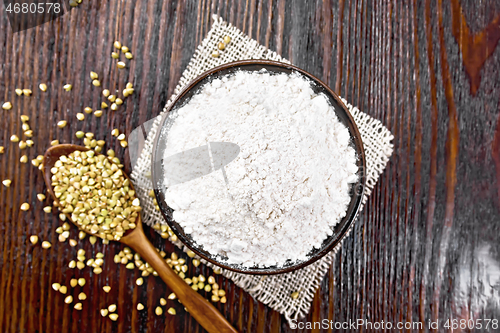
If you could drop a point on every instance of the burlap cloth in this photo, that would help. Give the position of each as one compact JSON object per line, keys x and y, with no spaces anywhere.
{"x":274,"y":290}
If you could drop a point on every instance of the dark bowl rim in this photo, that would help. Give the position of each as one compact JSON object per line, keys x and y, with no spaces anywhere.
{"x":358,"y":143}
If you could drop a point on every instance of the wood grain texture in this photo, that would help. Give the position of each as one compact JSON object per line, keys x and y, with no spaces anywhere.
{"x":424,"y":248}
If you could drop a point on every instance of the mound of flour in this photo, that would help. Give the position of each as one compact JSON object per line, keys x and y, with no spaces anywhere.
{"x":288,"y":186}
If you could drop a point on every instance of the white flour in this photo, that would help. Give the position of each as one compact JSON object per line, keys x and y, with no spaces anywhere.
{"x":288,"y":186}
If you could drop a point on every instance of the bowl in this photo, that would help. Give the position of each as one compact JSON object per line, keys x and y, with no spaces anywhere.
{"x":340,"y":230}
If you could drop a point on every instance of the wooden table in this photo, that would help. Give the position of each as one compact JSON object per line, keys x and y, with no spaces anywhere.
{"x":426,"y":245}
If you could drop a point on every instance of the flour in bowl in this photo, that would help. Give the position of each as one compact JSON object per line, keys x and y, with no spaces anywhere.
{"x":290,"y":183}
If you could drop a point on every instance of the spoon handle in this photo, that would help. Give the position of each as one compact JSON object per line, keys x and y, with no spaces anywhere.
{"x":200,"y":308}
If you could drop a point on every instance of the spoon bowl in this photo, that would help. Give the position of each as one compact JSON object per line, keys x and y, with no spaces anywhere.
{"x":204,"y":312}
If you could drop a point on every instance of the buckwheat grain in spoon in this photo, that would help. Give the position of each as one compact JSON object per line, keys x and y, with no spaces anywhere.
{"x":99,"y":198}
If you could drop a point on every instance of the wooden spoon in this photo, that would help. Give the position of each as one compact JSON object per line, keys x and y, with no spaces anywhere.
{"x":204,"y":312}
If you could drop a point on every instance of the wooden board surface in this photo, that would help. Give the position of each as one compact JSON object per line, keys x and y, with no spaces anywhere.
{"x":426,"y":245}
